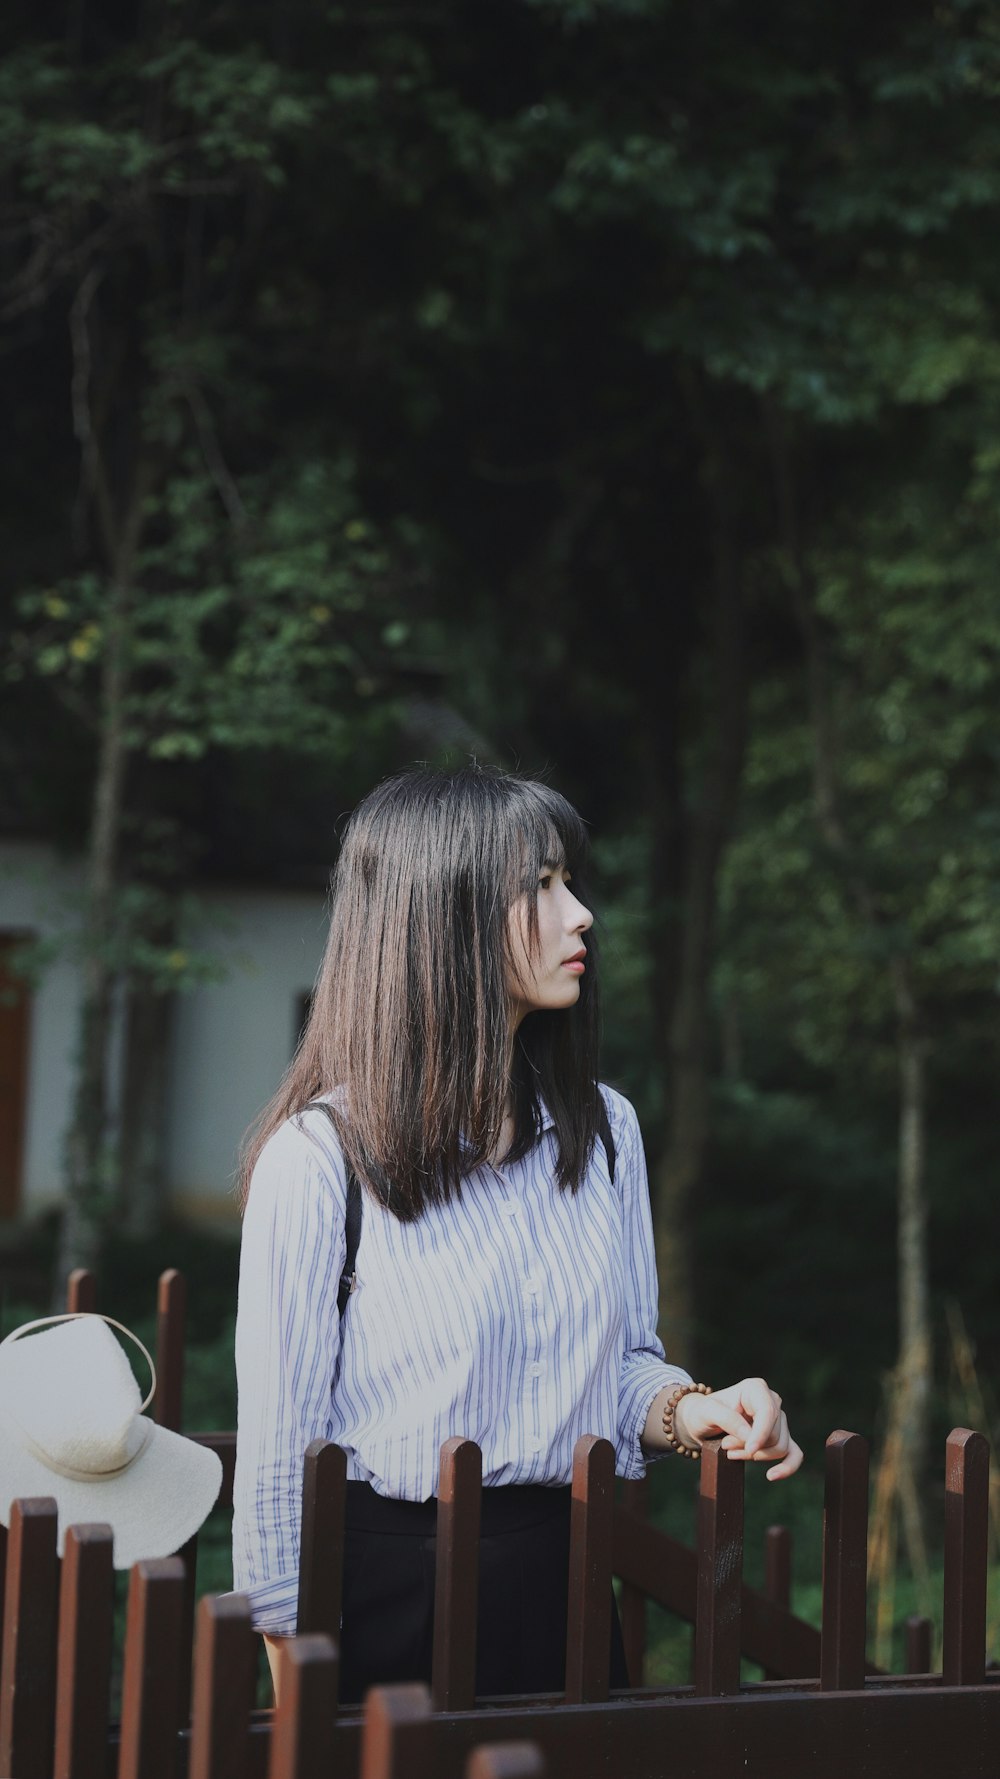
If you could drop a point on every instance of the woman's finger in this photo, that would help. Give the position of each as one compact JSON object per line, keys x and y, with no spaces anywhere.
{"x":702,"y":1417}
{"x":764,"y":1406}
{"x":789,"y":1464}
{"x":753,"y":1423}
{"x":758,"y":1407}
{"x":776,"y":1448}
{"x":784,"y":1456}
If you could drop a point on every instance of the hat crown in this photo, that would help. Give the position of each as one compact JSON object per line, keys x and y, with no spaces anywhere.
{"x":72,"y":1392}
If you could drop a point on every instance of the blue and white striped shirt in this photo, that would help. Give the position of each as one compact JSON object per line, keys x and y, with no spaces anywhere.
{"x":519,"y":1316}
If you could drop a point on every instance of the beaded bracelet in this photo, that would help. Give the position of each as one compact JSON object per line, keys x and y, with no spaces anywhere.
{"x":673,"y":1443}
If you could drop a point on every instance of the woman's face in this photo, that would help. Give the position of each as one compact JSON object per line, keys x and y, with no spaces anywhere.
{"x":549,"y":976}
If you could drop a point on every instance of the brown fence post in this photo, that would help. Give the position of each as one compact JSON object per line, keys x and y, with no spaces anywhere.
{"x":918,"y":1644}
{"x":395,"y":1739}
{"x":303,"y":1727}
{"x":28,"y":1664}
{"x":506,"y":1760}
{"x":456,"y":1578}
{"x":171,"y":1305}
{"x":777,"y":1575}
{"x":151,"y":1682}
{"x":720,"y":1572}
{"x":83,"y":1660}
{"x":225,"y":1679}
{"x":81,"y":1292}
{"x":171,"y":1310}
{"x":635,"y":1500}
{"x":966,"y":1527}
{"x":588,"y":1627}
{"x":845,"y":1541}
{"x":321,"y":1568}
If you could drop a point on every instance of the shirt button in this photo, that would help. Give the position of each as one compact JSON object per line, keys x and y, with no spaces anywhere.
{"x":510,"y":1207}
{"x":535,"y":1370}
{"x":534,"y":1445}
{"x":532,"y":1285}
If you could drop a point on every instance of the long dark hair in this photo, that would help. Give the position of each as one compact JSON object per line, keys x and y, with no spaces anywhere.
{"x":410,"y":1020}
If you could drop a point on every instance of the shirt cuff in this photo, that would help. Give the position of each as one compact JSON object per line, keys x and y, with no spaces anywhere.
{"x":274,"y":1605}
{"x":641,"y":1383}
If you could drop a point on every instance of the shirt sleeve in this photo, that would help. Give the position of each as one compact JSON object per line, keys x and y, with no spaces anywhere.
{"x":644,"y":1368}
{"x":287,"y":1345}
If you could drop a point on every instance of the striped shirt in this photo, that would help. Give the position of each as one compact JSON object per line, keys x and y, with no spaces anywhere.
{"x":518,"y":1315}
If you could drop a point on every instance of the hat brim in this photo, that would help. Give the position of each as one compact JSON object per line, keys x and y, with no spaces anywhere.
{"x":153,"y":1507}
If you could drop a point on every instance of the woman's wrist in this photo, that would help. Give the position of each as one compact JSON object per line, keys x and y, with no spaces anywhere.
{"x":678,"y":1418}
{"x":677,"y":1429}
{"x":661,"y":1432}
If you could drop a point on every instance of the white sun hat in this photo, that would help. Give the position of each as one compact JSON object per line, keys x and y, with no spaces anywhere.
{"x":72,"y":1427}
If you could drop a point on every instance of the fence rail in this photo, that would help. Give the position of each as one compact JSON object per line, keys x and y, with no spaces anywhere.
{"x":188,"y":1685}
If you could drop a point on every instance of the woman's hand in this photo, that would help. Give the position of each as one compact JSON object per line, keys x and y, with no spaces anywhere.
{"x":750,"y":1416}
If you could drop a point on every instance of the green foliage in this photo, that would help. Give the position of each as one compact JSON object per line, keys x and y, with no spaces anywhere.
{"x":261,"y":636}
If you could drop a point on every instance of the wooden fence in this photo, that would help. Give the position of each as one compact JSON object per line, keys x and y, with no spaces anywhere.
{"x":835,"y":1718}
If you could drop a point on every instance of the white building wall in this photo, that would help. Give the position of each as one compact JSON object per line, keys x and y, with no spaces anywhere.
{"x":231,"y":1039}
{"x":40,"y":897}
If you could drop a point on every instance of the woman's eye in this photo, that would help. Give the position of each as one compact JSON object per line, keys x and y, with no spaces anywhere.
{"x":545,"y":882}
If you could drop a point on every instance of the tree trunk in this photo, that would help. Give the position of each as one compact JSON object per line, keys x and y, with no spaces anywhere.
{"x":89,"y":1169}
{"x":88,"y":1173}
{"x":686,"y":1035}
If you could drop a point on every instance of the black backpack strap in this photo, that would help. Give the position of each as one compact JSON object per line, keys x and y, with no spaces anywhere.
{"x":352,"y":1217}
{"x":353,"y":1225}
{"x":604,"y":1131}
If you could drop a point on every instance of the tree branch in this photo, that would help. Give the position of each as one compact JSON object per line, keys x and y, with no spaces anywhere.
{"x":218,"y":469}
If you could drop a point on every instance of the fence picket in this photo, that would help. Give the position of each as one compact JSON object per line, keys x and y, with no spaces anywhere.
{"x":171,"y":1308}
{"x":225,"y":1676}
{"x":151,"y":1681}
{"x":966,"y":1532}
{"x":635,"y":1500}
{"x":395,"y":1739}
{"x":919,"y":1633}
{"x":720,"y":1573}
{"x":588,"y":1628}
{"x":777,"y":1575}
{"x":83,"y":1659}
{"x":845,"y":1542}
{"x":321,"y":1569}
{"x":81,"y":1292}
{"x":28,"y":1662}
{"x":302,"y":1745}
{"x":456,"y":1580}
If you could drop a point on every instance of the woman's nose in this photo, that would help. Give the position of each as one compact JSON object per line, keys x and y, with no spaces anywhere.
{"x":579,"y":918}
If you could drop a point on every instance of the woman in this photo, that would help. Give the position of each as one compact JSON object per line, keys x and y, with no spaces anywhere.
{"x":504,"y":1281}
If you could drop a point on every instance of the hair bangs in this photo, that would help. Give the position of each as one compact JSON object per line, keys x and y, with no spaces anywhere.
{"x":548,"y":831}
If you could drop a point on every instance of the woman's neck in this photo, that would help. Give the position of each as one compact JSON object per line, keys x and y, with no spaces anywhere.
{"x":504,"y":1141}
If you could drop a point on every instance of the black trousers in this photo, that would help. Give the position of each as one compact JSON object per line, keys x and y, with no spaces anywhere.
{"x":388,"y":1600}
